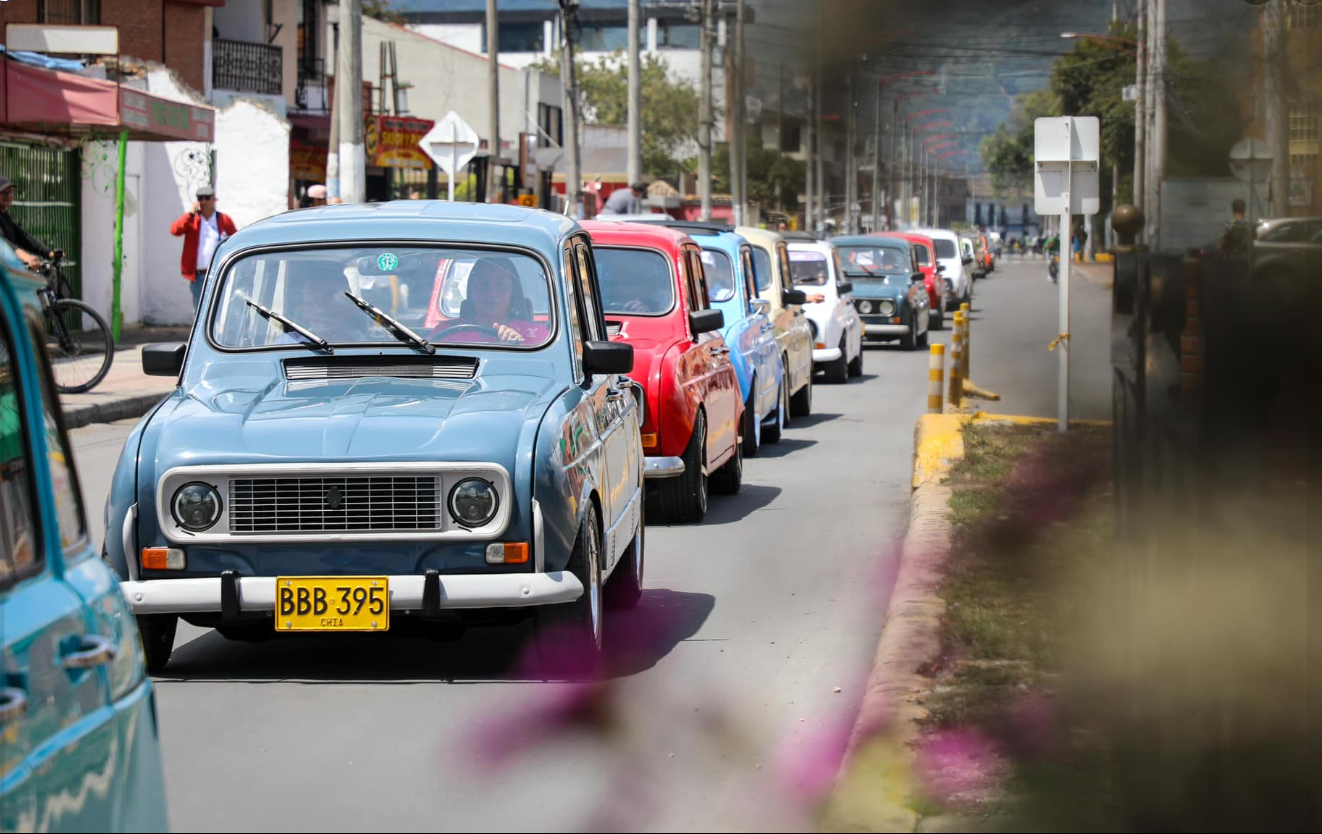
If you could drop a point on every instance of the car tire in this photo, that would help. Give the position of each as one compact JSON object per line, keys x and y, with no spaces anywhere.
{"x":684,"y":498}
{"x":776,"y":430}
{"x":730,"y":477}
{"x":910,"y":340}
{"x":246,"y":632}
{"x":856,"y":364}
{"x":752,"y":425}
{"x":838,"y":371}
{"x":157,"y":631}
{"x":801,"y":400}
{"x":570,"y":635}
{"x":922,"y":340}
{"x":938,"y":317}
{"x":625,"y":587}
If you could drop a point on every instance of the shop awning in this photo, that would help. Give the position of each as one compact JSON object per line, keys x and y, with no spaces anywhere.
{"x":66,"y":104}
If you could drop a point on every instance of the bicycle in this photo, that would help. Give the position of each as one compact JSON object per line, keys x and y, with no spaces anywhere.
{"x":77,"y":338}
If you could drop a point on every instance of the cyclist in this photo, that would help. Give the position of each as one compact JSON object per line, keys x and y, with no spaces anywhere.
{"x":29,"y":250}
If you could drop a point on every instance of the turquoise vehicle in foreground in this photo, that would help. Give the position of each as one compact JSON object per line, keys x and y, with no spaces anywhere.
{"x":79,"y":747}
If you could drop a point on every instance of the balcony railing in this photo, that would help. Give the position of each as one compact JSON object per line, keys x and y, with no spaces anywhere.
{"x":247,"y":67}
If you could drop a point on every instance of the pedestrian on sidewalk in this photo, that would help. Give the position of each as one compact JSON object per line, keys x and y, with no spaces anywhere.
{"x":1237,"y":236}
{"x":203,"y":229}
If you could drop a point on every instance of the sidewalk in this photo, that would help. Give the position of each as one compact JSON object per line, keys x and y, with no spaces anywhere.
{"x":126,"y":392}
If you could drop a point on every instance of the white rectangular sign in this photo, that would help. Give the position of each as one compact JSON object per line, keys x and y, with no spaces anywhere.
{"x":62,"y":40}
{"x":1065,"y":161}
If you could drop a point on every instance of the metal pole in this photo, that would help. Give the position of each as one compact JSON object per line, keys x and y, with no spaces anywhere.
{"x":333,"y":152}
{"x":1141,"y":111}
{"x":1159,"y":117}
{"x":1063,"y":385}
{"x":573,"y":179}
{"x":116,"y":317}
{"x":738,"y":143}
{"x":876,"y":166}
{"x":634,"y":165}
{"x":349,"y":89}
{"x":851,"y":154}
{"x":454,"y":159}
{"x":810,"y":153}
{"x":493,"y":101}
{"x":936,"y":378}
{"x":705,"y":110}
{"x":895,"y":157}
{"x":1278,"y":132}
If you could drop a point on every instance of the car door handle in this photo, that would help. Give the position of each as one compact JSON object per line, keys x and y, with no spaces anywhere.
{"x":13,"y":705}
{"x":94,"y":651}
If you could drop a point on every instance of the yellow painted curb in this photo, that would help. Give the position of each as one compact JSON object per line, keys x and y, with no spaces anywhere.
{"x":1021,"y":420}
{"x":972,"y":390}
{"x":938,"y":442}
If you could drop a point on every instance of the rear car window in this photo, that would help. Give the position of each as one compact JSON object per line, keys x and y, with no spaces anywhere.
{"x":636,"y":282}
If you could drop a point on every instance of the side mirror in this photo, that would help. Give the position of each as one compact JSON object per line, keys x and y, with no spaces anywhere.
{"x":788,"y":297}
{"x":607,"y":357}
{"x":706,"y":321}
{"x":967,"y":260}
{"x":761,"y":305}
{"x":844,"y":287}
{"x":916,"y":277}
{"x":940,"y":267}
{"x":163,"y":359}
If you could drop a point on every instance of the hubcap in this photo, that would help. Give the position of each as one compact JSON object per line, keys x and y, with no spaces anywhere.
{"x":702,"y":481}
{"x":593,"y":556}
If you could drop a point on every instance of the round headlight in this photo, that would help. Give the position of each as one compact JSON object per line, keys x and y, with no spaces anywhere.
{"x":473,"y":502}
{"x":865,"y":307}
{"x":196,"y":506}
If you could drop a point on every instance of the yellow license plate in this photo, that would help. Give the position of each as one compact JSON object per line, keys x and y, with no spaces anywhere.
{"x":332,"y":603}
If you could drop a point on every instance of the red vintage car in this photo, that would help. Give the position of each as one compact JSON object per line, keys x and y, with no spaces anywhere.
{"x":654,"y":296}
{"x":925,"y":249}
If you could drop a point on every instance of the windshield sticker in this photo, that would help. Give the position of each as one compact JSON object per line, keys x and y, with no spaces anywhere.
{"x":387,"y":262}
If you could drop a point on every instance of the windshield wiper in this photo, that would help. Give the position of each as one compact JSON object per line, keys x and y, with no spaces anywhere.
{"x":291,"y":326}
{"x":394,"y":326}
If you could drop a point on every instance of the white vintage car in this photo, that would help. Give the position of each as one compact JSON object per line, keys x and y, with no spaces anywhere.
{"x":836,"y":328}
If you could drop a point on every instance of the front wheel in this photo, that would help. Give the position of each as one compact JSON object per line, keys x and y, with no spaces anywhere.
{"x":838,"y":371}
{"x":774,"y":431}
{"x":801,"y":400}
{"x":684,"y":497}
{"x":569,"y":635}
{"x":79,"y":345}
{"x":625,"y":587}
{"x":157,"y":631}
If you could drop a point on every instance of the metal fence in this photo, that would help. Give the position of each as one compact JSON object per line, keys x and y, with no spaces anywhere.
{"x":247,"y":67}
{"x":47,"y":187}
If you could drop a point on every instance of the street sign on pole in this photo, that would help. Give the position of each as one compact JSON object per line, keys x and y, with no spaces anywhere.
{"x":451,"y":143}
{"x":1066,"y":155}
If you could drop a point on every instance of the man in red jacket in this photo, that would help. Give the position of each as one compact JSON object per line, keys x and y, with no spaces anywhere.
{"x":203,"y":229}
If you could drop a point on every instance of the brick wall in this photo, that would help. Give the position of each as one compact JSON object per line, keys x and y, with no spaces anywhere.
{"x":153,"y":30}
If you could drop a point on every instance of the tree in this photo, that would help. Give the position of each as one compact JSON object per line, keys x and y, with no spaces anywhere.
{"x":670,"y":107}
{"x":382,"y":10}
{"x":1008,"y":151}
{"x":774,"y":179}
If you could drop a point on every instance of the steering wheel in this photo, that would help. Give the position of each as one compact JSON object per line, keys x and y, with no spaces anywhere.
{"x":436,"y":331}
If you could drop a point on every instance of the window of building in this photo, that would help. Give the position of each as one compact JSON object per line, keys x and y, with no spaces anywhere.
{"x":69,"y":12}
{"x":1306,"y":162}
{"x":550,"y":121}
{"x":1303,"y":16}
{"x":1303,"y":120}
{"x":608,"y":37}
{"x":518,"y":37}
{"x":677,"y":35}
{"x":791,"y":138}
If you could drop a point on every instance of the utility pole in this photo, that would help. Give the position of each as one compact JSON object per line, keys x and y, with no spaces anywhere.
{"x":573,"y":179}
{"x":823,"y":211}
{"x":876,"y":166}
{"x":851,"y":155}
{"x":1159,"y":120}
{"x":705,"y":45}
{"x":891,"y":193}
{"x":635,"y":162}
{"x":1278,"y":134}
{"x":349,"y":89}
{"x":1141,"y":112}
{"x":493,"y":101}
{"x":809,"y":156}
{"x":737,"y":141}
{"x":333,"y":152}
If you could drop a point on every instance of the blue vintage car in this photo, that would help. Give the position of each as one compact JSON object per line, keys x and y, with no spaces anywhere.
{"x":888,"y":288}
{"x":727,"y":262}
{"x":324,"y":466}
{"x":79,"y":749}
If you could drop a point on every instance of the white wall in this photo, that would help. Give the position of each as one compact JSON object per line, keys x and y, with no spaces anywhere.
{"x":463,"y":35}
{"x":252,"y":161}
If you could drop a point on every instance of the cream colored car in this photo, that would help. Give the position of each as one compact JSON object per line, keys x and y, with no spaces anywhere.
{"x":793,"y":333}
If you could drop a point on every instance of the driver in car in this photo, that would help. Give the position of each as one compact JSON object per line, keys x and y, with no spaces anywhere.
{"x":314,"y":297}
{"x":495,"y":302}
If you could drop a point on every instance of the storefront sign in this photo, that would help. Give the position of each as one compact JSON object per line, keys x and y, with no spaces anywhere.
{"x":307,"y":161}
{"x":392,"y":141}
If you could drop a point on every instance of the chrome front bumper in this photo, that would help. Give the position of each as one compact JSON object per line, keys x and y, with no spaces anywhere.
{"x":663,"y":467}
{"x":893,"y":330}
{"x":820,"y":355}
{"x":199,"y":595}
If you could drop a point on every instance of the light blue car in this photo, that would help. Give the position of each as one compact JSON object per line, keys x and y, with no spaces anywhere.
{"x":727,"y":261}
{"x":79,"y":749}
{"x":325,"y":466}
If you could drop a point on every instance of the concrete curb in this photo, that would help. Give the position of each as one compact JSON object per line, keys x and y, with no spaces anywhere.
{"x":121,"y":409}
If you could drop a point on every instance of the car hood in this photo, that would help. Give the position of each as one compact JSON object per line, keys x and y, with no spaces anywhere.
{"x":373,"y":418}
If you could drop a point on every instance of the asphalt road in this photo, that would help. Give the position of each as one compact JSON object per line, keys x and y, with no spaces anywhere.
{"x":722,"y":709}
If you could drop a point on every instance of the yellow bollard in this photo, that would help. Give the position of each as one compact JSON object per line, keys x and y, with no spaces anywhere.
{"x":956,"y":363}
{"x":966,"y":352}
{"x":936,"y":379}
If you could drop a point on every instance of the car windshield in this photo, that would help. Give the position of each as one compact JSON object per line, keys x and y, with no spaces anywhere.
{"x":720,"y":275}
{"x":946,"y":248}
{"x":809,"y":267}
{"x":762,"y":266}
{"x":446,"y":295}
{"x":873,"y":261}
{"x":635,"y":282}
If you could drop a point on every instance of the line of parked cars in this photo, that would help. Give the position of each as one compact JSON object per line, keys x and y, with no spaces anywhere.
{"x":330,"y":463}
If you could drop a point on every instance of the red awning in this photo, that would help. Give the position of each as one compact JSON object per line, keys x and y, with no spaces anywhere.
{"x":65,"y":104}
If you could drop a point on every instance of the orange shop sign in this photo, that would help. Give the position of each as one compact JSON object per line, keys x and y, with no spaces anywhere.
{"x":307,"y":161}
{"x":392,"y":141}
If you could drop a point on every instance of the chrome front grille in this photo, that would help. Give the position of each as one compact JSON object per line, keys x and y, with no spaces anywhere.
{"x":360,"y":367}
{"x":346,"y":504}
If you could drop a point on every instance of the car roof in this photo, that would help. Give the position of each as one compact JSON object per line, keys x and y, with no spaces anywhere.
{"x":423,"y":220}
{"x":764,"y":237}
{"x":811,"y":245}
{"x":945,"y":234}
{"x":871,"y":240}
{"x":608,"y":232}
{"x":912,"y":237}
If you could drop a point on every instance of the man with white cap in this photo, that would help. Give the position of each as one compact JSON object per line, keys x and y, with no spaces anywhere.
{"x":203,"y":229}
{"x":29,"y":250}
{"x":316,"y":196}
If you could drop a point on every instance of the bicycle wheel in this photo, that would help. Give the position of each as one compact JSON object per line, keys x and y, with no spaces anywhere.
{"x":79,"y":345}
